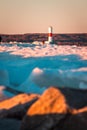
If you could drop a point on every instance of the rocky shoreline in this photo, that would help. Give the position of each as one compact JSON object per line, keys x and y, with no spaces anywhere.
{"x":57,"y":108}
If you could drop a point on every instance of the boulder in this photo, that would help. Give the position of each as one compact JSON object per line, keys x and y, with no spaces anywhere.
{"x":84,"y":109}
{"x":73,"y":122}
{"x":76,"y":98}
{"x":9,"y":124}
{"x":17,"y":106}
{"x":46,"y":112}
{"x":16,"y":100}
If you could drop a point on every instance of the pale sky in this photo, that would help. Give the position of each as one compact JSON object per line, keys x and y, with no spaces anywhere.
{"x":35,"y":16}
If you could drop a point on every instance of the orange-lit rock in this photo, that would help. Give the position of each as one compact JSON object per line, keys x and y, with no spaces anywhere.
{"x":55,"y":109}
{"x":17,"y":100}
{"x":52,"y":101}
{"x":17,"y":106}
{"x":46,"y":112}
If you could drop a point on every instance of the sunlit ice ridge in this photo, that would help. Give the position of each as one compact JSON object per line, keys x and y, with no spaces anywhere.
{"x":33,"y":67}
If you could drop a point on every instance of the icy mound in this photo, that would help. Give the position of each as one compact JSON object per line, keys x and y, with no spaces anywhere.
{"x":74,"y":78}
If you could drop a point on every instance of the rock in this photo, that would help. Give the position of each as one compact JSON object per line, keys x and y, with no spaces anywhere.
{"x":57,"y":108}
{"x":9,"y":124}
{"x":47,"y":111}
{"x":78,"y":111}
{"x":84,"y":109}
{"x":17,"y":106}
{"x":76,"y":98}
{"x":18,"y":111}
{"x":73,"y":122}
{"x":16,"y":100}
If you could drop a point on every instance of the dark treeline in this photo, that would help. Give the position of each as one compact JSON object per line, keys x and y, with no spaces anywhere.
{"x":61,"y":39}
{"x":0,"y":38}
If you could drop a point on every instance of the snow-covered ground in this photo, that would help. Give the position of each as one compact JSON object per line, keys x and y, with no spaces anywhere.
{"x":33,"y":68}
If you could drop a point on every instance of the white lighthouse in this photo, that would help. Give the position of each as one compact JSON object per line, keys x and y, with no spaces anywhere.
{"x":50,"y":33}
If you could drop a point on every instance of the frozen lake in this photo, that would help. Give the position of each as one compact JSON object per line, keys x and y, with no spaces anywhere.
{"x":34,"y":67}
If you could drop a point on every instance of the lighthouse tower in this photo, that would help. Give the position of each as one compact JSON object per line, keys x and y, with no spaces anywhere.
{"x":50,"y":31}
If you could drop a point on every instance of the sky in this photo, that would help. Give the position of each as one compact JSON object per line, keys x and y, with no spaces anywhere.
{"x":35,"y":16}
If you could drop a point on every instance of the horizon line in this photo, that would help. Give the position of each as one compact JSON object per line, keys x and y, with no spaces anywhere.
{"x":38,"y":33}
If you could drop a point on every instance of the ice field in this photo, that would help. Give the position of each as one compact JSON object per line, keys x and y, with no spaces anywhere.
{"x":34,"y":67}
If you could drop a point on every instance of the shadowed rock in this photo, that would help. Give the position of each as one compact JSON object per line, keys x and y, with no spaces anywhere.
{"x":73,"y":122}
{"x":17,"y":106}
{"x":75,"y":98}
{"x":18,"y":111}
{"x":17,"y":100}
{"x":46,"y":112}
{"x":9,"y":124}
{"x":56,"y":109}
